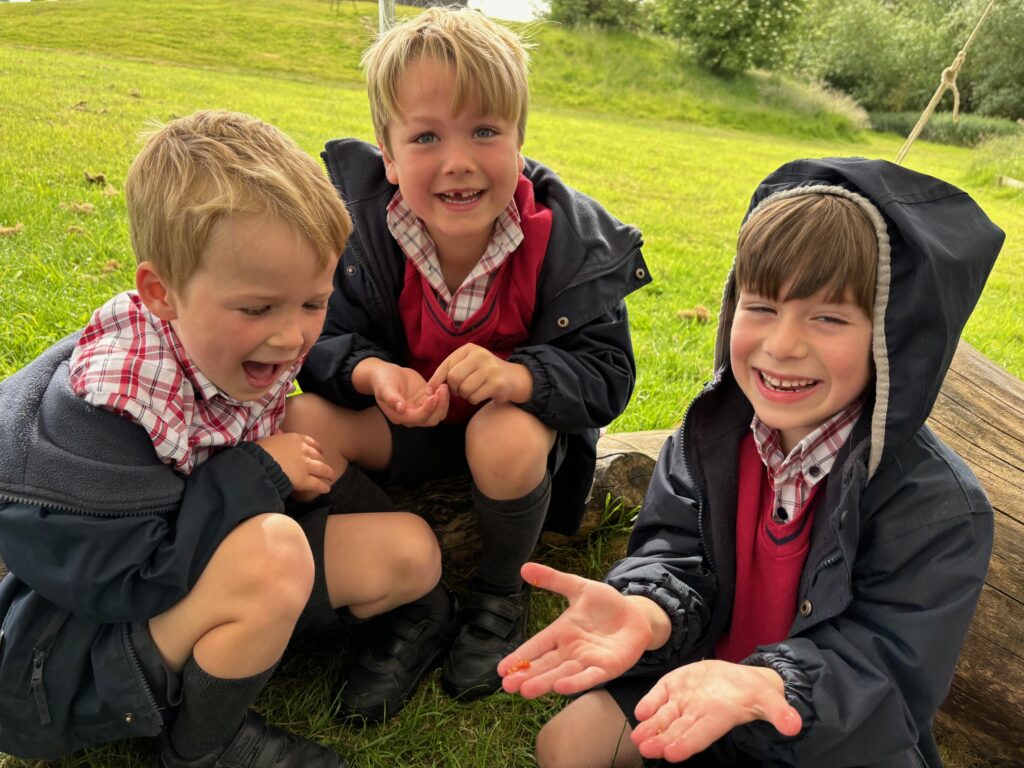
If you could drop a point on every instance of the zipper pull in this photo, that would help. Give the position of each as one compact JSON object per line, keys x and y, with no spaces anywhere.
{"x":38,"y":689}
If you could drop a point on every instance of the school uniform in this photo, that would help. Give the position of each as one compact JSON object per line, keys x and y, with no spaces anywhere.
{"x":900,"y":539}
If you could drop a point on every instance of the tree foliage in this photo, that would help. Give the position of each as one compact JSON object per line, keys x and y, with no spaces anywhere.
{"x":609,"y":14}
{"x":731,"y":36}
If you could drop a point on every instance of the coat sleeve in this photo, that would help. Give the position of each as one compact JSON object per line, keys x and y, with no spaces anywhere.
{"x":131,"y":568}
{"x":665,"y":560}
{"x":863,"y":679}
{"x":583,"y":379}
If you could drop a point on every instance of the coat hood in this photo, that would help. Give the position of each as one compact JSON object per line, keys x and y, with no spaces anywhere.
{"x":936,"y":248}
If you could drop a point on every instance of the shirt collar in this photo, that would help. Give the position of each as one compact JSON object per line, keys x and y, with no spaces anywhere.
{"x":201,"y":384}
{"x":404,"y":224}
{"x":813,"y":457}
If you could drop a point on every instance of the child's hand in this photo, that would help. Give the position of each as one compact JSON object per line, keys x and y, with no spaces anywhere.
{"x":477,"y":374}
{"x":693,"y":706}
{"x":405,"y":398}
{"x":598,"y":637}
{"x":302,"y":460}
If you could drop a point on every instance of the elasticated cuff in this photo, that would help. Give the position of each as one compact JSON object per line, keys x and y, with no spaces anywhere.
{"x":271,"y":467}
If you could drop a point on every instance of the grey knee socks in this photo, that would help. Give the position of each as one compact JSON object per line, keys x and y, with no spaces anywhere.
{"x":509,"y":530}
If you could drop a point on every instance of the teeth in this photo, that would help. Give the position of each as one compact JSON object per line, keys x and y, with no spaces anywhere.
{"x":460,"y":197}
{"x":791,"y":385}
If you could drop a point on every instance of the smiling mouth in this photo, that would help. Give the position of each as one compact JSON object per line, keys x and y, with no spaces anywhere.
{"x":461,"y":198}
{"x":786,"y":385}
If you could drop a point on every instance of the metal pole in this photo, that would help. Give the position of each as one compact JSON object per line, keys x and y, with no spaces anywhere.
{"x":387,"y":14}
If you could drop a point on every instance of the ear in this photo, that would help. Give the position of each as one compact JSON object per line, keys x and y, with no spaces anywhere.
{"x":522,"y":160}
{"x":155,"y":293}
{"x":389,"y":164}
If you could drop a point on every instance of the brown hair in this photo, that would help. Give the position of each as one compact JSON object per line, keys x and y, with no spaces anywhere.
{"x":490,"y":63}
{"x":808,"y":242}
{"x":196,"y":170}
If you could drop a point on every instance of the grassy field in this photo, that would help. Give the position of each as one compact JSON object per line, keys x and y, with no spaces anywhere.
{"x":628,"y":121}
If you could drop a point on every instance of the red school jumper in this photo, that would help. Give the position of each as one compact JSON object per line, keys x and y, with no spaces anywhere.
{"x":770,"y":557}
{"x":502,"y":322}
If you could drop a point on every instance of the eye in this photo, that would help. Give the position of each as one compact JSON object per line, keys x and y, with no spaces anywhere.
{"x":833,"y":320}
{"x":255,"y":311}
{"x":484,"y":132}
{"x":315,"y":306}
{"x":425,"y":138}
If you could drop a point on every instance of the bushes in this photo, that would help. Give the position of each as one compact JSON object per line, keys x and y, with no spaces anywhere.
{"x":609,"y":14}
{"x":971,"y":131}
{"x":732,"y":36}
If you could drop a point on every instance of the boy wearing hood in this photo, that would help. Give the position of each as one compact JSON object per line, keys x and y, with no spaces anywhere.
{"x":809,"y":555}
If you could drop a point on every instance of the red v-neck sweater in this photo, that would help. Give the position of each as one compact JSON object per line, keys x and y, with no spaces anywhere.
{"x":502,"y":322}
{"x":770,"y":557}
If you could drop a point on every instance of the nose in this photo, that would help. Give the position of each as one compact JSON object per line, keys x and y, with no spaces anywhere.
{"x":288,"y":335}
{"x":458,"y":158}
{"x":785,"y":339}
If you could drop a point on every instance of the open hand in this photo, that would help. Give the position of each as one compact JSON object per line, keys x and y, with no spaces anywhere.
{"x":405,"y":398}
{"x":598,"y":637}
{"x":477,"y":374}
{"x":693,"y":706}
{"x":302,"y":460}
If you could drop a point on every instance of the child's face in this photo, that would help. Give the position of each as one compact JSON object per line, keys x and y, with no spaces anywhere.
{"x":456,"y":172}
{"x":799,"y":361}
{"x":253,"y":307}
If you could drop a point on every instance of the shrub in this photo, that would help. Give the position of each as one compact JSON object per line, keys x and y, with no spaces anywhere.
{"x":609,"y":14}
{"x":731,"y":36}
{"x":971,"y":130}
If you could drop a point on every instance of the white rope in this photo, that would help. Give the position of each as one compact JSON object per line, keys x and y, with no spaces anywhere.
{"x":946,"y":83}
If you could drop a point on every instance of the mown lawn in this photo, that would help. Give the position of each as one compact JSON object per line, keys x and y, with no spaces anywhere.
{"x":662,"y":146}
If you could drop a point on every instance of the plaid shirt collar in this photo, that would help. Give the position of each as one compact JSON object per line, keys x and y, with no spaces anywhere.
{"x":411,"y":234}
{"x":132,"y":363}
{"x":793,"y":477}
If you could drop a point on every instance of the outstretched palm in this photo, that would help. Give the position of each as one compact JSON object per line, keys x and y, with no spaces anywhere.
{"x":598,"y":637}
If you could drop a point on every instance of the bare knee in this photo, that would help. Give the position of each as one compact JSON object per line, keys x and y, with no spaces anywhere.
{"x":415,"y":559}
{"x":591,"y":732}
{"x":274,"y":566}
{"x":507,"y":450}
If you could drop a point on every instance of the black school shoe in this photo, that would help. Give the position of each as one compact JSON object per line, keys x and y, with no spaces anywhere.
{"x":258,"y":745}
{"x":491,"y":627}
{"x":403,"y":645}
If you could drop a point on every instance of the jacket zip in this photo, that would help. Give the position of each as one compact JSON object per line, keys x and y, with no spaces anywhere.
{"x":38,"y":689}
{"x":7,"y":498}
{"x":133,"y":656}
{"x":697,"y":484}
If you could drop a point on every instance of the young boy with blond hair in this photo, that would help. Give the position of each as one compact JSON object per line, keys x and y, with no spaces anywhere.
{"x":478,"y":325}
{"x":155,"y":578}
{"x":809,"y":555}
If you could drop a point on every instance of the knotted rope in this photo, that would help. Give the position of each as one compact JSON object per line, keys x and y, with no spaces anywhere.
{"x":946,"y":83}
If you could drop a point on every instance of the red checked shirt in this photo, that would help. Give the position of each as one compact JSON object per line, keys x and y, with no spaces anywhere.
{"x":414,"y":240}
{"x":793,"y":477}
{"x":131,"y":362}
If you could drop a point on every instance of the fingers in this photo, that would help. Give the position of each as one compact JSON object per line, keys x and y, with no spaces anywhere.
{"x":441,"y":374}
{"x":655,"y":699}
{"x":566,"y":584}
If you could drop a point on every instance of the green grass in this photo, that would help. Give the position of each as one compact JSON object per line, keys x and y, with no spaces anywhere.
{"x":663,"y":146}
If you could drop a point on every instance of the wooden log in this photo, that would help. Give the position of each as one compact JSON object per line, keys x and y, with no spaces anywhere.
{"x":980,"y":415}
